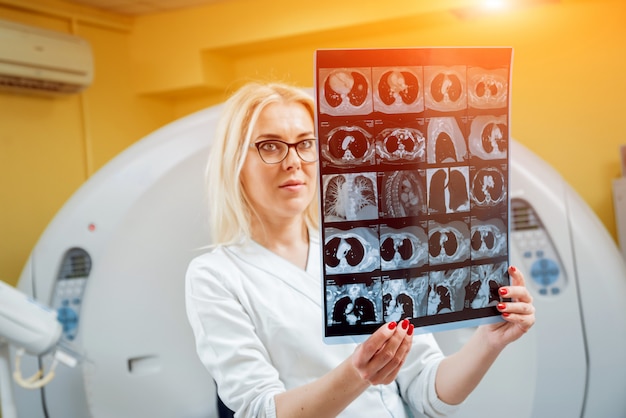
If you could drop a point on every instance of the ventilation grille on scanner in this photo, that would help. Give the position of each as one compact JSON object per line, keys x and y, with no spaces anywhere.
{"x":40,"y":86}
{"x":524,"y":216}
{"x":76,"y":263}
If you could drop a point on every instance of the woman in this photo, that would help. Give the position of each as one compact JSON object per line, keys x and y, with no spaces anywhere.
{"x":254,"y":300}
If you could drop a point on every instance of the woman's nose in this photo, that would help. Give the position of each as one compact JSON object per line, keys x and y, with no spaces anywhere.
{"x":292,"y":158}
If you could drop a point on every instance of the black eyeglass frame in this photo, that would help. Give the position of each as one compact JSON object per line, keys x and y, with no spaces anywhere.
{"x":258,"y":145}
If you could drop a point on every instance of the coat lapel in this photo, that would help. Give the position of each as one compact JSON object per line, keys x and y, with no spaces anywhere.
{"x":308,"y":282}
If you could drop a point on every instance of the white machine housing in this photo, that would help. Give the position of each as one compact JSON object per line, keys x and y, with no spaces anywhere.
{"x":135,"y":225}
{"x":36,"y":60}
{"x":25,"y":323}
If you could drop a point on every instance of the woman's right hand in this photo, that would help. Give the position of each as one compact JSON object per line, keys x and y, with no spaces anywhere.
{"x":379,"y":359}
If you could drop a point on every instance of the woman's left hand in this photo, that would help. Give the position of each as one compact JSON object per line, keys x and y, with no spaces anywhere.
{"x":518,"y":313}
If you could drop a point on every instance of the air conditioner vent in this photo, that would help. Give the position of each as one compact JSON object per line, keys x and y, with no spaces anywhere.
{"x":34,"y":85}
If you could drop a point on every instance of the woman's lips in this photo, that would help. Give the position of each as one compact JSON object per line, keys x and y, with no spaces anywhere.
{"x":292,"y":184}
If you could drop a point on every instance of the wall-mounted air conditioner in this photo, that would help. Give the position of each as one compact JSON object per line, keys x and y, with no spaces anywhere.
{"x":43,"y":61}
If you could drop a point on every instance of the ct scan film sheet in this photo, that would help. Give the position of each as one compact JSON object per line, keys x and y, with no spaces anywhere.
{"x":414,"y":176}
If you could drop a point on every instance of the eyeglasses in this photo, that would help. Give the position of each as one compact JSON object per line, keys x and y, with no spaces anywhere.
{"x":273,"y":151}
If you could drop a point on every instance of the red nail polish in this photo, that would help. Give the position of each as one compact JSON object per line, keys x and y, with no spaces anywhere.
{"x":410,"y":331}
{"x":513,"y":269}
{"x":503,"y":291}
{"x":392,"y":325}
{"x":505,"y":314}
{"x":405,"y":324}
{"x":501,"y":306}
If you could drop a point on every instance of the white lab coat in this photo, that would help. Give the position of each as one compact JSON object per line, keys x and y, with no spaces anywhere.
{"x":257,"y":320}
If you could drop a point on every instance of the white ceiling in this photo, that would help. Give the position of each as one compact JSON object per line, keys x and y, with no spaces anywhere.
{"x":141,"y":7}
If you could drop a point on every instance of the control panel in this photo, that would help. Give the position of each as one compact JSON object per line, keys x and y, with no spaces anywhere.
{"x":69,"y":288}
{"x":539,"y":255}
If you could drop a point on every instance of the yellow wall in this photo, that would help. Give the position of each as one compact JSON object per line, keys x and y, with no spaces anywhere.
{"x":568,"y":85}
{"x":50,"y":146}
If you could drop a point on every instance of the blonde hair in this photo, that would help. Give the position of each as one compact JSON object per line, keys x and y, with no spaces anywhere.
{"x":230,"y":211}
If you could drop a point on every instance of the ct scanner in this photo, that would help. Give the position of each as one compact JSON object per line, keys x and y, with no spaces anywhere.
{"x":114,"y":258}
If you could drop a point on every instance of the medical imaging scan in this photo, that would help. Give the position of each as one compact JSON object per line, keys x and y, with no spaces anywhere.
{"x":398,"y":303}
{"x":403,"y":194}
{"x":448,"y":243}
{"x":350,"y":197}
{"x":414,"y":177}
{"x":400,"y":145}
{"x":398,"y":89}
{"x":488,"y":187}
{"x":482,"y":289}
{"x":488,"y":238}
{"x":402,"y":248}
{"x":353,"y":304}
{"x":446,"y":292}
{"x":445,"y":141}
{"x":346,"y":91}
{"x":487,"y":89}
{"x":417,"y":288}
{"x":352,"y":251}
{"x":448,"y":190}
{"x":445,"y":88}
{"x":488,"y":137}
{"x":348,"y":146}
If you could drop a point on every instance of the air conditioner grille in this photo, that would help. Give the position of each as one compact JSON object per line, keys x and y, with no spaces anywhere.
{"x":21,"y":83}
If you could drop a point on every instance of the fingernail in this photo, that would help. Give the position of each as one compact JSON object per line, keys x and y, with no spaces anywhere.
{"x":410,"y":331}
{"x":392,"y":325}
{"x":505,"y":314}
{"x":405,"y":324}
{"x":501,"y":306}
{"x":513,"y":269}
{"x":503,"y":291}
